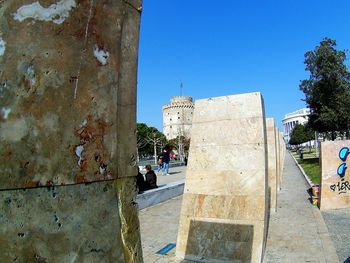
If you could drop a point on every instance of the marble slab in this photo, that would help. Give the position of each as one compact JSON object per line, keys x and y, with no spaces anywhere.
{"x":224,"y":210}
{"x":78,"y":223}
{"x":67,"y":91}
{"x":272,"y":162}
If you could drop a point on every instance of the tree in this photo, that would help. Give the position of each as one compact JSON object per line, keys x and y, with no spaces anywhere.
{"x":299,"y":135}
{"x":174,"y":143}
{"x":327,"y":91}
{"x":149,"y":140}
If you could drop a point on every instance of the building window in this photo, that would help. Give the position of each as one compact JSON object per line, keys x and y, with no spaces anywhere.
{"x":178,"y":118}
{"x":178,"y":112}
{"x":171,"y":126}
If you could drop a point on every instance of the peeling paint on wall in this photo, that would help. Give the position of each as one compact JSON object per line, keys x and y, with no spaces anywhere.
{"x":30,"y":75}
{"x":2,"y":46}
{"x":5,"y":112}
{"x":56,"y":13}
{"x":78,"y":151}
{"x":101,"y":55}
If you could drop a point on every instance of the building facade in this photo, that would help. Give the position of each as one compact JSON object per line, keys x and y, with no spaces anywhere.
{"x":177,"y":117}
{"x":291,"y":119}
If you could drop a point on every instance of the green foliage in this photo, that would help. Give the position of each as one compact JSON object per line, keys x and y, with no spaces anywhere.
{"x":301,"y":134}
{"x":327,"y":91}
{"x":147,"y":137}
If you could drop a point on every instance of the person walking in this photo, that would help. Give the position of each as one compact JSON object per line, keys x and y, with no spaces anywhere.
{"x":166,"y":160}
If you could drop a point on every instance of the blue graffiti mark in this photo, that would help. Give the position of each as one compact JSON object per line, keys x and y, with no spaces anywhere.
{"x":166,"y":249}
{"x":341,"y":169}
{"x":343,"y":153}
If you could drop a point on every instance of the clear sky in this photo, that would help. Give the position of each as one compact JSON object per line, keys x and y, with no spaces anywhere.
{"x":219,"y":48}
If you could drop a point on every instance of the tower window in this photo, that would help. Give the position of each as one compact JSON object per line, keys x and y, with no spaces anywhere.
{"x":178,"y":118}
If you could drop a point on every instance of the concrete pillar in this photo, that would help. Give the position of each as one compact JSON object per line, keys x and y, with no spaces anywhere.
{"x":67,"y":131}
{"x":279,"y":158}
{"x":282,"y":149}
{"x":272,"y":162}
{"x":224,"y":210}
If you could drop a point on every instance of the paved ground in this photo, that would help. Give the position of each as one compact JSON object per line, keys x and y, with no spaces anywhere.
{"x":297,"y":232}
{"x":337,"y":222}
{"x":159,"y":226}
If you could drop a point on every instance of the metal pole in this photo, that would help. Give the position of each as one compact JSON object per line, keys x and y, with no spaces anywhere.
{"x":155,"y":148}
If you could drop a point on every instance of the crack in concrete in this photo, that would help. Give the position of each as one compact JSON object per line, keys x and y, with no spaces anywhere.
{"x":138,"y":9}
{"x":84,"y":48}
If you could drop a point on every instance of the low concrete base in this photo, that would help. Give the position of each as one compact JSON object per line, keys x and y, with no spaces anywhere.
{"x":160,"y":194}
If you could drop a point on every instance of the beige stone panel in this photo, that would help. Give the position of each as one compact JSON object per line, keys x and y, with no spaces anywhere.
{"x":226,"y":182}
{"x":240,"y":207}
{"x":247,"y":105}
{"x":226,"y":179}
{"x":335,"y":190}
{"x":220,"y":240}
{"x":278,"y":158}
{"x":65,"y":76}
{"x":272,"y":162}
{"x":227,"y":132}
{"x":241,"y":158}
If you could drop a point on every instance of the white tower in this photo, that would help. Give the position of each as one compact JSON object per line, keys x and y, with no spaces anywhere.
{"x":177,"y":117}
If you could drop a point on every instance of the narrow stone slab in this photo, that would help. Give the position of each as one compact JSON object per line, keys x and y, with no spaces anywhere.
{"x":272,"y":162}
{"x":282,"y":149}
{"x":335,"y":177}
{"x":224,"y":210}
{"x":67,"y":91}
{"x":279,"y":159}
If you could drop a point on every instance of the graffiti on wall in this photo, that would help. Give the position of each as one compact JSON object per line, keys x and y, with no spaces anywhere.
{"x":342,"y":186}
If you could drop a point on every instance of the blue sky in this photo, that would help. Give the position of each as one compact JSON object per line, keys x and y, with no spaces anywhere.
{"x":219,"y":48}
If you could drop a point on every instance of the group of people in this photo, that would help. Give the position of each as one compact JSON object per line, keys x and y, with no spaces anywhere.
{"x":148,"y":182}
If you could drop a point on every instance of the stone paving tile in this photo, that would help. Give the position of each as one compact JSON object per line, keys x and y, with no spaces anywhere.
{"x":337,"y":222}
{"x":296,"y":231}
{"x":159,"y":225}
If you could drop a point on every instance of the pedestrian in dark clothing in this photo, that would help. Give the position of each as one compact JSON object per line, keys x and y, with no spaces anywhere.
{"x":166,"y":160}
{"x":151,"y":178}
{"x":140,"y":181}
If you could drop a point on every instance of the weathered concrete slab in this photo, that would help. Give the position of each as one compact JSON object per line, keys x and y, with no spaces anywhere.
{"x":224,"y":210}
{"x":67,"y":118}
{"x":68,"y":71}
{"x":335,"y":177}
{"x":61,"y":224}
{"x":272,"y":162}
{"x":282,"y":149}
{"x":279,"y":159}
